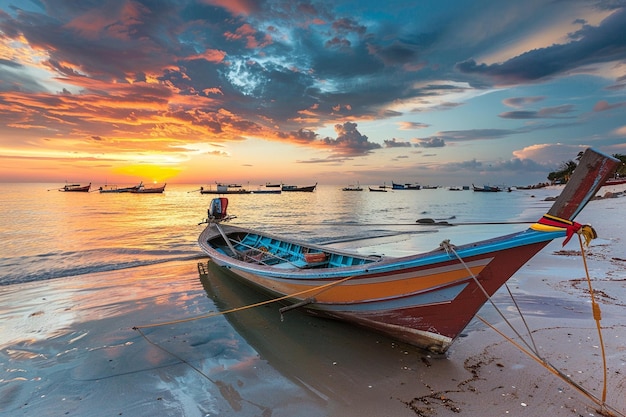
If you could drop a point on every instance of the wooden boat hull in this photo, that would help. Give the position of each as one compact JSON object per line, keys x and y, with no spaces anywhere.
{"x":76,"y":188}
{"x":424,"y":299}
{"x":116,"y":190}
{"x":240,"y":191}
{"x":143,"y":190}
{"x":273,"y":191}
{"x":408,"y":298}
{"x":292,"y":188}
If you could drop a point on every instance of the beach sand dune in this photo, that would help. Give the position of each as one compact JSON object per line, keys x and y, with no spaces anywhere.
{"x":68,"y":347}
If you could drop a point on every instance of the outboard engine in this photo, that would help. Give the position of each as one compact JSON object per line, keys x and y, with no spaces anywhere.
{"x":217,"y":208}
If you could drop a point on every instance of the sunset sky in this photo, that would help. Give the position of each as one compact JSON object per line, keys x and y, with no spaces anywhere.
{"x":445,"y":92}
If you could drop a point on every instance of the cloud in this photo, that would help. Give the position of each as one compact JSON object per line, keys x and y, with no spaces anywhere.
{"x":604,"y":105}
{"x":545,"y":113}
{"x":588,"y":46}
{"x":349,"y":141}
{"x":466,"y":135}
{"x":550,"y":155}
{"x":518,"y":102}
{"x":238,"y":7}
{"x":433,"y":142}
{"x":412,"y":125}
{"x":394,"y":143}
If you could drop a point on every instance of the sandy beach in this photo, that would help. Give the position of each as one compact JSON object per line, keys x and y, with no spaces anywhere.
{"x":68,"y":347}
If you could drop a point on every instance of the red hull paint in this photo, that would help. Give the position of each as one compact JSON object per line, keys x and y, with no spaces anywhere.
{"x":445,"y":319}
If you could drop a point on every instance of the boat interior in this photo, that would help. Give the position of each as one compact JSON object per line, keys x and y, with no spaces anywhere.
{"x":265,"y":250}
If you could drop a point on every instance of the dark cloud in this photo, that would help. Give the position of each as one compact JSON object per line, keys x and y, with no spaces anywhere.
{"x":589,"y":45}
{"x":522,"y":101}
{"x":433,"y":142}
{"x":398,"y":53}
{"x":349,"y":141}
{"x":556,"y":112}
{"x":9,"y":63}
{"x":394,"y":143}
{"x":466,"y":135}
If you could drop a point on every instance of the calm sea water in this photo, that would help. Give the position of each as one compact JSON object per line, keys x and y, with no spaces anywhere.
{"x":48,"y":234}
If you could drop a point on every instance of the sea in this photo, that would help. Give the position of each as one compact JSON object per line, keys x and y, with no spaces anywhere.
{"x":47,"y":234}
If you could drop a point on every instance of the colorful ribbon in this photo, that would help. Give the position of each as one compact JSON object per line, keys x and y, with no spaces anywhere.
{"x":550,"y":223}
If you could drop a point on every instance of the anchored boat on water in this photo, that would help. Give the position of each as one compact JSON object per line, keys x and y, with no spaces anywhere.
{"x":148,"y":190}
{"x":76,"y":188}
{"x":294,"y":188}
{"x":113,"y":189}
{"x":425,"y":299}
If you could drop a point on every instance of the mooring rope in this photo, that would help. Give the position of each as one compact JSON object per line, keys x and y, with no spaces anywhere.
{"x":587,"y":233}
{"x":597,"y":315}
{"x":449,"y":248}
{"x":315,"y":290}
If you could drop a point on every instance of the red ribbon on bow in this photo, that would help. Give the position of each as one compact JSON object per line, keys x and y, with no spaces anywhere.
{"x":569,"y":226}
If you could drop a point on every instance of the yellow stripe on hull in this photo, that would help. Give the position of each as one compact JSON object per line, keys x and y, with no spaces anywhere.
{"x":359,"y":290}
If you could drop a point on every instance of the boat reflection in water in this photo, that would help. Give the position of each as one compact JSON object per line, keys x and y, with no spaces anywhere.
{"x":337,"y":363}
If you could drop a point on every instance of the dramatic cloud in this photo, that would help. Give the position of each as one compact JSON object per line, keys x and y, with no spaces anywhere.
{"x":117,"y":80}
{"x":590,"y":45}
{"x":349,"y":141}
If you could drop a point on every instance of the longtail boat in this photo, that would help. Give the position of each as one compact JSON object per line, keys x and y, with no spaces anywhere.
{"x":487,"y":189}
{"x":76,"y":188}
{"x":225,"y":189}
{"x":425,"y":299}
{"x":112,"y":189}
{"x":294,"y":188}
{"x":148,"y":190}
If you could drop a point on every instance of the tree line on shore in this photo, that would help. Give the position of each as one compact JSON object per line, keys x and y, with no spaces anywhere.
{"x":564,"y":172}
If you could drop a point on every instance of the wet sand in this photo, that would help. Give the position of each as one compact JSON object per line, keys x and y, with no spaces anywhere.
{"x":67,"y":346}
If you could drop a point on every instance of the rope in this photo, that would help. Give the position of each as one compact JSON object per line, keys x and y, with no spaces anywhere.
{"x":552,"y":369}
{"x":320,"y":289}
{"x":224,"y":389}
{"x":449,"y":248}
{"x":584,"y":232}
{"x":595,"y":308}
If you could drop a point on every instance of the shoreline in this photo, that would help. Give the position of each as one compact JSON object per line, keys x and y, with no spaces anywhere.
{"x":69,"y":348}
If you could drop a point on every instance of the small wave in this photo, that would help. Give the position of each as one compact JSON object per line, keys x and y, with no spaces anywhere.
{"x":17,"y":273}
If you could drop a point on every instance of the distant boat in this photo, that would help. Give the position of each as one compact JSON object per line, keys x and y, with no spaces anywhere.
{"x":225,"y":189}
{"x":377,"y":190}
{"x":424,"y":299}
{"x":267,"y":191}
{"x":487,"y":189}
{"x":352,"y":188}
{"x":292,"y":188}
{"x":75,"y":188}
{"x":429,"y":187}
{"x":272,"y":185}
{"x":116,"y":189}
{"x":396,"y":186}
{"x":149,"y":190}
